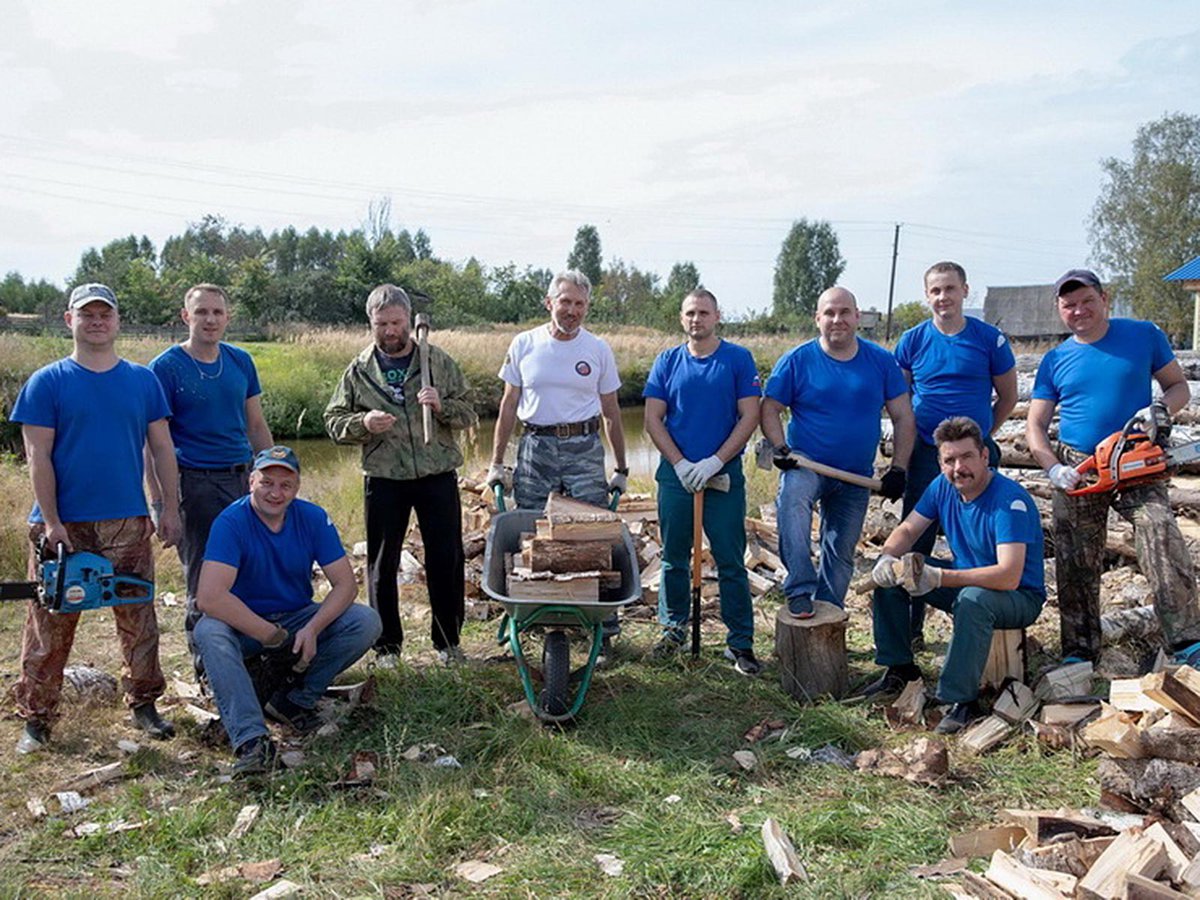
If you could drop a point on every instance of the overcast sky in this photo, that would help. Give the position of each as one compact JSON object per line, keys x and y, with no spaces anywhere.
{"x":682,"y":130}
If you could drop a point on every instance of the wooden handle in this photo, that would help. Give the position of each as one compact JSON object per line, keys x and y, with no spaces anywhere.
{"x":422,"y":328}
{"x":697,"y":536}
{"x":840,"y":474}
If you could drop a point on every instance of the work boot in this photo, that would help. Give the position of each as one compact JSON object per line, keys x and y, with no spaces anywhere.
{"x":960,"y":716}
{"x":282,"y":710}
{"x":256,"y":756}
{"x":34,"y":738}
{"x":890,"y":684}
{"x":743,"y":659}
{"x":452,"y":656}
{"x":146,"y":718}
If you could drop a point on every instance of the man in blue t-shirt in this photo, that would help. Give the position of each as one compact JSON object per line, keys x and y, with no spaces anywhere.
{"x":256,"y":596}
{"x":953,"y":364}
{"x":995,"y":581}
{"x":1099,"y":378}
{"x":835,"y":387}
{"x":701,"y":408}
{"x":217,"y":425}
{"x":84,"y":421}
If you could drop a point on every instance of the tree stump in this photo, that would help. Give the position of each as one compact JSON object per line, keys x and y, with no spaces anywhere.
{"x":812,"y":652}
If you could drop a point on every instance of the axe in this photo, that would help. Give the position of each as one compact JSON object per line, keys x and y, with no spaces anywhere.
{"x":422,"y":329}
{"x":907,"y":568}
{"x":716,"y":483}
{"x":763,"y":456}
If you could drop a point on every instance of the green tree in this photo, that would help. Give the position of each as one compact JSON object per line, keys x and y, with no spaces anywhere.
{"x":585,"y":255}
{"x":809,"y":262}
{"x":1146,"y":221}
{"x":627,"y":295}
{"x":906,"y":315}
{"x":253,"y":290}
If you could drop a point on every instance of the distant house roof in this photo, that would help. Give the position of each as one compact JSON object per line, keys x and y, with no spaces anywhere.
{"x":1024,"y":311}
{"x":1189,"y":271}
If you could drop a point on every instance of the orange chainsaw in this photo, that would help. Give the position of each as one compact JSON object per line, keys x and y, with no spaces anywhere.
{"x":1127,"y":458}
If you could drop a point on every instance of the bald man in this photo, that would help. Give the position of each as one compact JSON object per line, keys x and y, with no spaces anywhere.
{"x":835,"y":386}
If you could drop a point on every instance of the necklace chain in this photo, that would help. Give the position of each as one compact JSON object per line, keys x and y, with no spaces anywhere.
{"x":204,"y":375}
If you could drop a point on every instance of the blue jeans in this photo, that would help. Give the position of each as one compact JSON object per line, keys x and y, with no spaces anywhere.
{"x":977,"y":612}
{"x":843,"y":508}
{"x":224,"y":651}
{"x":725,"y":525}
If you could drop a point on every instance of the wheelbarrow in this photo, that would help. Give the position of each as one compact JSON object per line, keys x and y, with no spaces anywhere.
{"x":553,"y":620}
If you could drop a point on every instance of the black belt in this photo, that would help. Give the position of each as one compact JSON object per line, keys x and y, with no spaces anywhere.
{"x":239,"y":468}
{"x":567,"y":429}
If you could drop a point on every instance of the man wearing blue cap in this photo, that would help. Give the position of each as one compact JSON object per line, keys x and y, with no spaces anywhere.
{"x":94,"y":406}
{"x":1099,"y":378}
{"x":256,"y":596}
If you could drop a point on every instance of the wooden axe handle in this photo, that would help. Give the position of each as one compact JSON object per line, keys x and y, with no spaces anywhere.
{"x":840,"y":474}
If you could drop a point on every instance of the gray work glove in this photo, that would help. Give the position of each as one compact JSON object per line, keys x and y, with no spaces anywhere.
{"x":683,"y":471}
{"x":1158,"y":422}
{"x":618,"y":483}
{"x":500,"y":474}
{"x":1063,"y":477}
{"x":703,"y":471}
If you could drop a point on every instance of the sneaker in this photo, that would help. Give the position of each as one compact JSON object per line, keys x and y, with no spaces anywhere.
{"x":387,"y":660}
{"x":146,"y":718}
{"x":1189,"y":656}
{"x":34,"y":738}
{"x":744,"y":661}
{"x":605,"y":653}
{"x":282,"y":710}
{"x":960,"y":716}
{"x":668,"y":645}
{"x":256,"y":756}
{"x":890,"y":684}
{"x":801,"y":607}
{"x":452,"y":656}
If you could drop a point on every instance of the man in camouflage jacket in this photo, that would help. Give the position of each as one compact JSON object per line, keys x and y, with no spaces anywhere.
{"x":378,"y":403}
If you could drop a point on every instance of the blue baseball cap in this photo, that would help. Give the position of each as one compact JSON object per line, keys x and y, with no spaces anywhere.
{"x":86,"y":293}
{"x":277,"y":456}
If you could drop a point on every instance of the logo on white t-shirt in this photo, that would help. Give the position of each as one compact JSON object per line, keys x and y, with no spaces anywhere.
{"x":583,"y":368}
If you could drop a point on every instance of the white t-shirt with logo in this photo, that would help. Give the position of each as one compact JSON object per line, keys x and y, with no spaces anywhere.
{"x":560,"y":381}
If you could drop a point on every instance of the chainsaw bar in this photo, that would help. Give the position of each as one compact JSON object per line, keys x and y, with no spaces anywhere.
{"x":18,"y":590}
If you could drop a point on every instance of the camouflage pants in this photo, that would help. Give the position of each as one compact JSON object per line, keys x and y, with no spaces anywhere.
{"x":572,"y":465}
{"x":1080,"y":529}
{"x":47,"y":637}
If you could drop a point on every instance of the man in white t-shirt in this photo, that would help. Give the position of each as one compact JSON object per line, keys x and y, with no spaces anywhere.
{"x":561,"y":381}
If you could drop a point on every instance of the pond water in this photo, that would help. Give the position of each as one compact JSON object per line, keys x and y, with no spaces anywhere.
{"x":641,"y":454}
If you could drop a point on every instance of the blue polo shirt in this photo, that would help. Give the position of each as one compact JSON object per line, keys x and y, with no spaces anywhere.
{"x":1003,"y":514}
{"x":836,"y":406}
{"x":702,"y":394}
{"x":274,"y":570}
{"x":952,"y":373}
{"x":100,"y":421}
{"x":1099,"y":386}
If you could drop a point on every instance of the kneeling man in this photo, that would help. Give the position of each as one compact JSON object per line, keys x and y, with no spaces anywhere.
{"x":256,"y":595}
{"x":995,"y":581}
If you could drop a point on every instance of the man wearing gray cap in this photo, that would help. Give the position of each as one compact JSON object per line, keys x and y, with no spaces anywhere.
{"x":1099,"y":378}
{"x":89,"y":410}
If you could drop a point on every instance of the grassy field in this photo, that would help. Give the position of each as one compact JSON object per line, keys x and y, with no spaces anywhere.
{"x":538,"y":803}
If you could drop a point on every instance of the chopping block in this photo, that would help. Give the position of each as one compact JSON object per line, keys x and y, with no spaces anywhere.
{"x":812,"y":652}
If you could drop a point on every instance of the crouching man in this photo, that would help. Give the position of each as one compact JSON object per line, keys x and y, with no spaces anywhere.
{"x":996,"y":579}
{"x":256,"y":595}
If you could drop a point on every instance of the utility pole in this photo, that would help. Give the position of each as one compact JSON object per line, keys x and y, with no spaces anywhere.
{"x":887,"y":335}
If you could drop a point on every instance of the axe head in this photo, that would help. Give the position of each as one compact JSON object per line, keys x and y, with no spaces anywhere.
{"x":914,"y":565}
{"x":421,"y":322}
{"x":718,"y":483}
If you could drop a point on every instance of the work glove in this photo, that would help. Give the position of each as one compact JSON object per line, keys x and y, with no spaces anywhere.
{"x":781,"y":458}
{"x":618,"y":483}
{"x":500,"y":474}
{"x":1063,"y":477}
{"x":885,"y":573}
{"x":1158,"y":422}
{"x":683,"y":471}
{"x":704,"y":470}
{"x":921,"y":578}
{"x":892,"y":483}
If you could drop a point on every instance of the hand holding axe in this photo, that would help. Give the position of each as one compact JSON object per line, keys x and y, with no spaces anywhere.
{"x":765,"y":459}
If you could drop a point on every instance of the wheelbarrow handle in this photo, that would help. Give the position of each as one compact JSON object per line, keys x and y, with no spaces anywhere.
{"x":615,"y":499}
{"x":498,"y":489}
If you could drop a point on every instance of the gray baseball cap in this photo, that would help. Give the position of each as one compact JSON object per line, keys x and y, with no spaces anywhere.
{"x":1075,"y":279}
{"x":86,"y":293}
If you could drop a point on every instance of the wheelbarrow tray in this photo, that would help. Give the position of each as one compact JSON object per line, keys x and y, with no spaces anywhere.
{"x":504,"y":536}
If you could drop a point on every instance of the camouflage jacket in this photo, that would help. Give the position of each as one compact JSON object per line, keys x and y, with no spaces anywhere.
{"x":401,"y":452}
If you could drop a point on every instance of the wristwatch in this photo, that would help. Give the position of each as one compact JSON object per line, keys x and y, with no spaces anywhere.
{"x":624,"y":470}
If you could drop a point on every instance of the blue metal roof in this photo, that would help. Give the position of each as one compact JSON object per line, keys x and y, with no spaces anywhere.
{"x":1189,"y":271}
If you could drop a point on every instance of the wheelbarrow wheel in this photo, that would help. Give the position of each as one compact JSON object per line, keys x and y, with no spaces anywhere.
{"x":556,"y":672}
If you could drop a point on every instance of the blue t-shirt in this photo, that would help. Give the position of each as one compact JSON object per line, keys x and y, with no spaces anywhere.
{"x":836,"y":406}
{"x":952,"y":373}
{"x":1003,"y":514}
{"x":702,"y":394}
{"x":100,"y":421}
{"x":1099,"y":386}
{"x":208,"y":405}
{"x":274,"y":570}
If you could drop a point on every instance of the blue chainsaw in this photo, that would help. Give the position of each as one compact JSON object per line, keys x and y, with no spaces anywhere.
{"x":74,"y":582}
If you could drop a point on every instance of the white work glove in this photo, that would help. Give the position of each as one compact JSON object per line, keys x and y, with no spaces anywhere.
{"x":618,"y":483}
{"x":500,"y":474}
{"x":884,"y":574}
{"x":929,"y":579}
{"x":1157,"y":419}
{"x":1063,"y":477}
{"x":705,"y":470}
{"x":683,"y":471}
